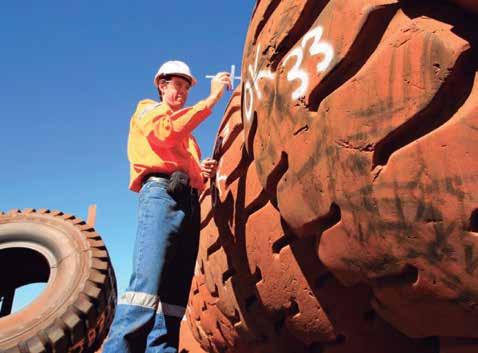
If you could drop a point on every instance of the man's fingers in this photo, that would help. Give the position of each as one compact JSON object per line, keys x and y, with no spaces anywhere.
{"x":226,"y":81}
{"x":222,"y":73}
{"x":209,"y":161}
{"x":220,"y":76}
{"x":208,"y":169}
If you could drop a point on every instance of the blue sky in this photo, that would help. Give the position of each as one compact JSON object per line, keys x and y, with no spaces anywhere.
{"x":71,"y":75}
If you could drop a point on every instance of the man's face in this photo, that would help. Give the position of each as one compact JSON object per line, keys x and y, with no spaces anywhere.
{"x":175,"y":92}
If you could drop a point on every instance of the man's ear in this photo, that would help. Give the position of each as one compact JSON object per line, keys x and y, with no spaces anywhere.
{"x":161,"y":86}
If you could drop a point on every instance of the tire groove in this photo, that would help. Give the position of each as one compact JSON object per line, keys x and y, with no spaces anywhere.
{"x":216,"y":246}
{"x":275,"y":176}
{"x":309,"y":15}
{"x":446,"y":102}
{"x":70,"y":325}
{"x":320,"y":224}
{"x":257,"y":204}
{"x":359,"y":53}
{"x":473,"y":227}
{"x":272,"y":6}
{"x":241,"y":167}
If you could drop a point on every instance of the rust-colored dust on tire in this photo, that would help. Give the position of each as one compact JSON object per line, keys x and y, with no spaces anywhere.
{"x":258,"y":287}
{"x":361,"y":120}
{"x":343,"y":217}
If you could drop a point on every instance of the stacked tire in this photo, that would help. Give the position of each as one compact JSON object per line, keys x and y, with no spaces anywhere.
{"x":344,"y":215}
{"x":74,"y":311}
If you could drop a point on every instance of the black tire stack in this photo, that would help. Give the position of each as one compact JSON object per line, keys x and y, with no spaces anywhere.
{"x":74,"y":311}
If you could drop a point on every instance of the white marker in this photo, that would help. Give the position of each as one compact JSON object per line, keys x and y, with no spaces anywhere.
{"x":232,"y":74}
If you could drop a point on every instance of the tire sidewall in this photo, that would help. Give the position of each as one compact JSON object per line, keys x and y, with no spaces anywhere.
{"x":66,"y":250}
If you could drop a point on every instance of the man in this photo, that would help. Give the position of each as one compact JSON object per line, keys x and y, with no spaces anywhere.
{"x":167,"y":173}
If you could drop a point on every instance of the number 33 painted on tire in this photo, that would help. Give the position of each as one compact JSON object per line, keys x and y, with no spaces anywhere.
{"x":318,"y":47}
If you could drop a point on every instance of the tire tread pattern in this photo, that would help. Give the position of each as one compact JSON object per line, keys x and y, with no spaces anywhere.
{"x":83,"y":325}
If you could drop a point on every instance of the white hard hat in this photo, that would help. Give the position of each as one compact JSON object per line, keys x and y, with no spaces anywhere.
{"x":174,"y":67}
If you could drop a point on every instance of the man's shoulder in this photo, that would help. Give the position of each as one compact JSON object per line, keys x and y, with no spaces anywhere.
{"x":145,"y":106}
{"x":145,"y":103}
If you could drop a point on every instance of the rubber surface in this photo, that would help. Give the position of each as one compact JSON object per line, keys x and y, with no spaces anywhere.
{"x":361,"y":117}
{"x":258,"y":288}
{"x":344,"y":215}
{"x":74,"y":311}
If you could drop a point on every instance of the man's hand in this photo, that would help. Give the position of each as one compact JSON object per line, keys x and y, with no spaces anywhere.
{"x":208,"y":167}
{"x":218,"y":83}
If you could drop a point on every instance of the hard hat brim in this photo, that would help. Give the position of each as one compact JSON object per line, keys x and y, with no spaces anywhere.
{"x":192,"y":80}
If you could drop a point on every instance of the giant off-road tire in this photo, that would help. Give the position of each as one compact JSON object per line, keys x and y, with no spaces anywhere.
{"x":258,"y":287}
{"x":361,"y":117}
{"x":344,"y":216}
{"x":74,"y":311}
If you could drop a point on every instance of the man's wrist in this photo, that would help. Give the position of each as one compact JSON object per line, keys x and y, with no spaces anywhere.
{"x":211,"y":101}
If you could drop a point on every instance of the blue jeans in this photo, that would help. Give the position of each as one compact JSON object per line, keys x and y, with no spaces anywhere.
{"x":149,"y":314}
